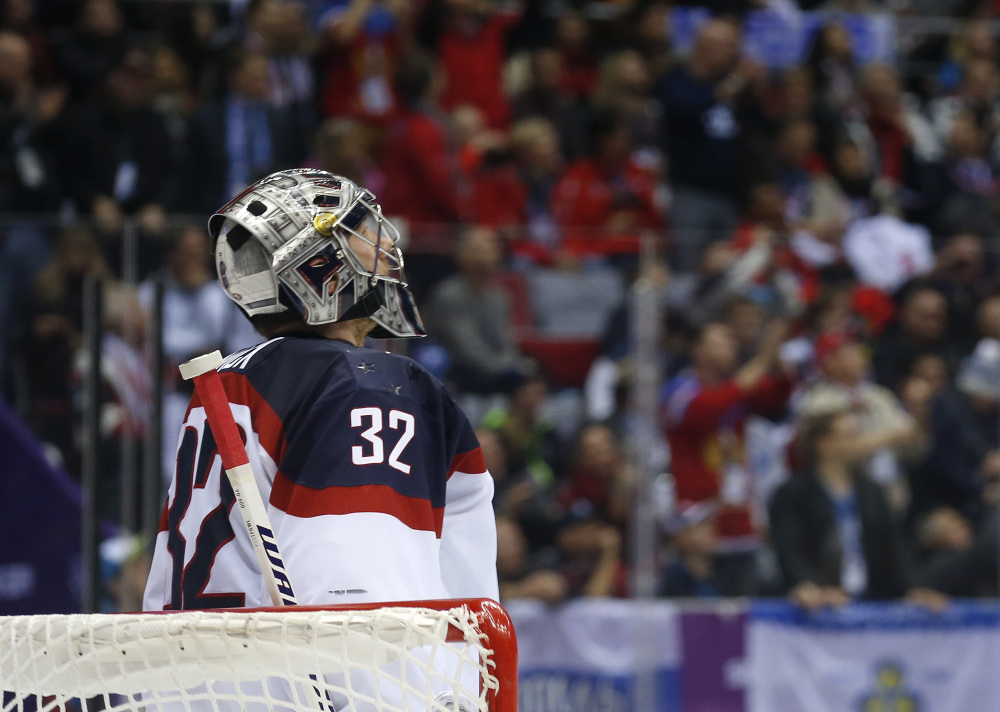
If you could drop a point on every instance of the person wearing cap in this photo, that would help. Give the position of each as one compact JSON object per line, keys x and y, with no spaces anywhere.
{"x":891,"y":436}
{"x":689,"y":528}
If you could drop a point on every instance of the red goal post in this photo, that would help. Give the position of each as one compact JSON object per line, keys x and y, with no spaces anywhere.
{"x":384,"y":657}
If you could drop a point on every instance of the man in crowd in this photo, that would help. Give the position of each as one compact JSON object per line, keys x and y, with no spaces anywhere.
{"x":704,"y":413}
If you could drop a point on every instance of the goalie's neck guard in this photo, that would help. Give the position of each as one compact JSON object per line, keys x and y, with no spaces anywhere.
{"x":316,"y":243}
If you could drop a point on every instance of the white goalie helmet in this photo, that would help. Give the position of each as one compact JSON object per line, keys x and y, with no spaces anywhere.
{"x":317,"y":243}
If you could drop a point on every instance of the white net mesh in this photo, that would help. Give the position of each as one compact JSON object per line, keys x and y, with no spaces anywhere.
{"x":387,"y":659}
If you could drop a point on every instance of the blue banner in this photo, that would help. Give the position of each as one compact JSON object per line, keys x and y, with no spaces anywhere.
{"x":593,"y":655}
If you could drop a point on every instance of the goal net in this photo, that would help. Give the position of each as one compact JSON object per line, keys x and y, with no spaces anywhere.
{"x":440,"y":656}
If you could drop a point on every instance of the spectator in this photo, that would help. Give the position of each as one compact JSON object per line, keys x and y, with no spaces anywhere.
{"x":968,"y":183}
{"x":237,"y":139}
{"x":173,"y":98}
{"x":529,"y":437}
{"x":21,"y":17}
{"x":518,"y":578}
{"x":117,"y":150}
{"x":574,"y":43}
{"x":362,"y":44}
{"x":603,"y":201}
{"x":760,"y":261}
{"x":830,"y":64}
{"x":623,"y":86}
{"x":988,"y":317}
{"x":961,"y":274}
{"x":344,"y":148}
{"x":196,"y":316}
{"x":469,"y":314}
{"x":850,"y":191}
{"x":471,"y":46}
{"x":652,"y":37}
{"x":601,"y":484}
{"x":546,"y":98}
{"x":832,"y":530}
{"x":126,"y":385}
{"x":532,"y":505}
{"x":420,"y":164}
{"x":497,"y":196}
{"x":977,"y":95}
{"x":799,"y":101}
{"x":795,"y":164}
{"x":901,"y":135}
{"x":535,"y":146}
{"x":279,"y":29}
{"x":890,"y":437}
{"x":29,"y":174}
{"x":54,"y":334}
{"x":702,"y":104}
{"x":95,"y":47}
{"x":592,"y":565}
{"x":964,"y":459}
{"x":704,"y":413}
{"x":921,"y":326}
{"x":956,"y":559}
{"x":690,"y":571}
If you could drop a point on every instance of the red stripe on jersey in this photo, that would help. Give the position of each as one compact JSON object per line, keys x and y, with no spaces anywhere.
{"x":266,"y":423}
{"x":470,"y":462}
{"x":301,"y":501}
{"x":164,"y":522}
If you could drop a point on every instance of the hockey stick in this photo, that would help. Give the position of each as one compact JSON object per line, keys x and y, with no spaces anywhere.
{"x":212,"y":394}
{"x":208,"y":385}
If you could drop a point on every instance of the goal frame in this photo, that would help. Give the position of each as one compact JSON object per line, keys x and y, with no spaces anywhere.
{"x":494,"y":622}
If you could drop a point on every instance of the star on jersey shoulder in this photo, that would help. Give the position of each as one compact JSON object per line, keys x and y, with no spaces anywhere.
{"x":366,"y":367}
{"x":395,"y":389}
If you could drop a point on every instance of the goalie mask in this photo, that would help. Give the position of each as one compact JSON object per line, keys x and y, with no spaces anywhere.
{"x":317,"y":243}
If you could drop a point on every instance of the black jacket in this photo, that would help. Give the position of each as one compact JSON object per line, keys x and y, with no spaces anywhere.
{"x":805,"y":537}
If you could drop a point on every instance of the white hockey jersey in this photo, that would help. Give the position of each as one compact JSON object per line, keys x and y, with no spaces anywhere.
{"x":372,"y":475}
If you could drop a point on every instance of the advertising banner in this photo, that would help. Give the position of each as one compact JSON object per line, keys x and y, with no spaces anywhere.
{"x":597,"y":656}
{"x":873,"y":658}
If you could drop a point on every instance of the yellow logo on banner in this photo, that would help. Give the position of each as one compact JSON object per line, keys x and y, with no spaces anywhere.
{"x":890,"y":695}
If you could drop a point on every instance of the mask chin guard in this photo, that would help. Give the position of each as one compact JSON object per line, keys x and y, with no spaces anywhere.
{"x":367,"y":305}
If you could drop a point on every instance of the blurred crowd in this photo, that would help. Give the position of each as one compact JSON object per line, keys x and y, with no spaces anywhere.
{"x":822,"y":240}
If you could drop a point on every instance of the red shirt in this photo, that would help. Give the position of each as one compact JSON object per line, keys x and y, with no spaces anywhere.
{"x":891,"y":141}
{"x":473,"y":64}
{"x":705,"y":429}
{"x":498,"y":197}
{"x":359,"y":75}
{"x":585,"y":199}
{"x":420,"y":180}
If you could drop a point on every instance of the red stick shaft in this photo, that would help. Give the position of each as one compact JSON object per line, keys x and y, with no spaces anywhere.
{"x":220,"y":418}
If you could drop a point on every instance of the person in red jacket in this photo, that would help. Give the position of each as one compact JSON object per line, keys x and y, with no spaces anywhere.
{"x":421,"y":165}
{"x":605,"y":200}
{"x":704,"y":414}
{"x":472,"y":48}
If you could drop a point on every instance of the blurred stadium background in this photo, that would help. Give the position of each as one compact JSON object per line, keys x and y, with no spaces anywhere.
{"x":718,"y":282}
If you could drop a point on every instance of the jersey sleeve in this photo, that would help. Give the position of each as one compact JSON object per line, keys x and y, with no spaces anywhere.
{"x":468,"y":536}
